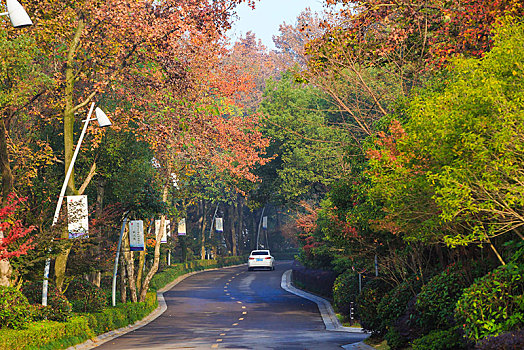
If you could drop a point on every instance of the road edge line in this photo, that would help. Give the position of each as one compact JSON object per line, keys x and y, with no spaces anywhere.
{"x":329,"y":317}
{"x":162,"y":307}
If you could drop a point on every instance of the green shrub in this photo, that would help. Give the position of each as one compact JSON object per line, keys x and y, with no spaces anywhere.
{"x":395,"y":340}
{"x":44,"y":334}
{"x":85,"y":296}
{"x":494,"y":303}
{"x":367,"y":302}
{"x":448,"y":339}
{"x":59,"y":308}
{"x":14,"y":308}
{"x":394,"y":303}
{"x":437,"y":299}
{"x":345,"y":291}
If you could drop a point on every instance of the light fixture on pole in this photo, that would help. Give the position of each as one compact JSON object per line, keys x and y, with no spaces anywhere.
{"x":19,"y":18}
{"x":103,"y":121}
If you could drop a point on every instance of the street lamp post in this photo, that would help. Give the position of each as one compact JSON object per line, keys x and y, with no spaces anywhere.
{"x":103,"y":121}
{"x":19,"y":18}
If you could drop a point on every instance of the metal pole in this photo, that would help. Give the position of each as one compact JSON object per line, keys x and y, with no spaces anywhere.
{"x":359,"y":282}
{"x":61,"y":199}
{"x":259,"y":225}
{"x":115,"y":269}
{"x":376,"y":266}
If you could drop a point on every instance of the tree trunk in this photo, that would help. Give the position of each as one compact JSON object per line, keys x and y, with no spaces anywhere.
{"x":202,"y":222}
{"x":7,"y":175}
{"x":240,"y":217}
{"x":123,"y":291}
{"x":130,"y":265}
{"x":234,"y":228}
{"x":69,"y":119}
{"x":156,"y":258}
{"x":142,"y":259}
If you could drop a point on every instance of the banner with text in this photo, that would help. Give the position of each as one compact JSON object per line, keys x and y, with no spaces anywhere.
{"x":219,"y":225}
{"x":77,"y":217}
{"x":136,"y":236}
{"x":166,"y":230}
{"x":182,"y":227}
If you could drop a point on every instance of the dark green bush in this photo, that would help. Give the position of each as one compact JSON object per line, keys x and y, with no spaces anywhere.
{"x":494,"y":303}
{"x":14,"y":308}
{"x":437,"y":299}
{"x":367,"y":303}
{"x":395,"y":340}
{"x":85,"y":296}
{"x":505,"y":341}
{"x":448,"y":339}
{"x":394,"y":303}
{"x":345,"y":291}
{"x":59,"y":308}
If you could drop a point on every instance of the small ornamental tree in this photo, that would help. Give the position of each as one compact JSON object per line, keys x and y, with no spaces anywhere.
{"x":12,"y":232}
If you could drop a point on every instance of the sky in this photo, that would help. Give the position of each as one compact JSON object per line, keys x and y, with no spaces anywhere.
{"x":265,"y":20}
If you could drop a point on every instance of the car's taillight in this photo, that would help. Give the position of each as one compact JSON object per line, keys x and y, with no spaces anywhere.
{"x":251,"y":258}
{"x":268,"y":257}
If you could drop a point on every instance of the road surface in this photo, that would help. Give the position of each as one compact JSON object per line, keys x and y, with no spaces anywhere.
{"x":235,"y":309}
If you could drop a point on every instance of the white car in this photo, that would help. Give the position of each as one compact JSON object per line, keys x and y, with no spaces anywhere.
{"x":260,"y":258}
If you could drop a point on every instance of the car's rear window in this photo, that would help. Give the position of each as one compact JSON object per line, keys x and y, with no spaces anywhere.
{"x":260,"y":253}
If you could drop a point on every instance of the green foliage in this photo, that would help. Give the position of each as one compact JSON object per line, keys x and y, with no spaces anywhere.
{"x":345,"y":291}
{"x":14,"y":308}
{"x":58,"y":307}
{"x":85,"y":296}
{"x":394,"y":339}
{"x":448,"y":339}
{"x":367,"y":303}
{"x":40,"y":335}
{"x":308,"y":149}
{"x":438,"y":297}
{"x":493,"y":304}
{"x":394,"y":304}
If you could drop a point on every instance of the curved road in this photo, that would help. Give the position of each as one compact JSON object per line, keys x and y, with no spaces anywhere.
{"x":235,"y":309}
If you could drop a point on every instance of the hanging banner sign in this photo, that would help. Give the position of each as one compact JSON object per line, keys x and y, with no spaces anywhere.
{"x":166,"y":230}
{"x":182,"y":227}
{"x":136,"y":236}
{"x":77,"y":216}
{"x":219,"y":225}
{"x":264,"y":222}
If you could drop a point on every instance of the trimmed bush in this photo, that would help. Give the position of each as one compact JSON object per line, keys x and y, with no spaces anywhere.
{"x":437,"y":300}
{"x":448,"y":339}
{"x":58,"y":307}
{"x":493,"y":304}
{"x":504,"y":341}
{"x":84,"y":296}
{"x":14,"y":308}
{"x":367,"y":303}
{"x":395,"y":340}
{"x":345,"y":291}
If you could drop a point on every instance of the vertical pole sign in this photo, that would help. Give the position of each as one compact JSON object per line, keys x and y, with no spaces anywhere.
{"x":136,"y":236}
{"x":264,"y":222}
{"x":219,"y":227}
{"x":77,"y":216}
{"x":182,"y":227}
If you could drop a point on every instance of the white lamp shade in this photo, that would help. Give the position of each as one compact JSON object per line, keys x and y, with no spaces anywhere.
{"x":102,"y":118}
{"x":17,"y":14}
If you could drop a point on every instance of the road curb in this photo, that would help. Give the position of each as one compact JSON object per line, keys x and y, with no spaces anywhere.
{"x":162,"y":307}
{"x":329,"y":317}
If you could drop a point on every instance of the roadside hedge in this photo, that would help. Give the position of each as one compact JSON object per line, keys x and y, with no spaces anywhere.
{"x":52,"y":335}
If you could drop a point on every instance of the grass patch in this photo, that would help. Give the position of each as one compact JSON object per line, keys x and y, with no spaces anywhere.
{"x":377,"y":342}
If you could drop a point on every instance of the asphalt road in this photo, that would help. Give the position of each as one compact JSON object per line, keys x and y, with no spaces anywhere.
{"x":235,"y":309}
